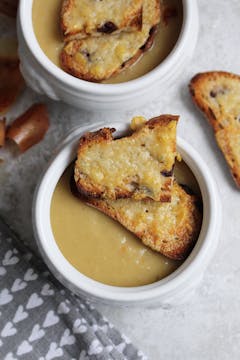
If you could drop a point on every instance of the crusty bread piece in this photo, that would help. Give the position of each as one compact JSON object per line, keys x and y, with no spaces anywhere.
{"x":80,"y":18}
{"x":138,"y":166}
{"x":97,"y":59}
{"x":169,"y":228}
{"x":217,"y":94}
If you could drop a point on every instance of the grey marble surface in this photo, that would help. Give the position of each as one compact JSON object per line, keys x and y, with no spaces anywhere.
{"x":208,"y":325}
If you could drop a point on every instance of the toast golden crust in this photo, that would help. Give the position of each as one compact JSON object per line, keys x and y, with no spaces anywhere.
{"x":217,"y":94}
{"x":169,"y":228}
{"x":81,"y":18}
{"x":77,"y":59}
{"x":97,"y":59}
{"x":138,"y":166}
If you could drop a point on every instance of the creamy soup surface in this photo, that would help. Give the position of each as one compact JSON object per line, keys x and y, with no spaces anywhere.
{"x":101,"y":248}
{"x":46,"y":15}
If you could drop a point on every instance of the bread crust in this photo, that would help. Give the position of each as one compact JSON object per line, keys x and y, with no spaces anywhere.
{"x":139,"y":165}
{"x":98,"y":59}
{"x":171,"y":229}
{"x":216,"y":94}
{"x":108,"y":18}
{"x":79,"y":70}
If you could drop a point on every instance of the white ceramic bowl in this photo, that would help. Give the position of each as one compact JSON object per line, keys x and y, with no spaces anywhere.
{"x":46,"y":78}
{"x":173,"y":288}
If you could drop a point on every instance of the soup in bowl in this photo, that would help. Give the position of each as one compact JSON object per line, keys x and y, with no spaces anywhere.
{"x":97,"y":258}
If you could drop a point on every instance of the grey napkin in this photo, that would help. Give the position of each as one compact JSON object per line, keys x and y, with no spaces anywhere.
{"x":39,"y":319}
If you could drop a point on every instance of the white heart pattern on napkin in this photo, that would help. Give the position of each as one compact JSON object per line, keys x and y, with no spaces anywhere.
{"x":30,"y":275}
{"x":121,"y":347}
{"x":37,"y":321}
{"x":8,"y":330}
{"x":47,"y":290}
{"x":20,"y":314}
{"x":63,"y":308}
{"x":10,"y":259}
{"x":79,"y":327}
{"x":95,"y":348}
{"x":18,"y":285}
{"x":51,"y":319}
{"x":2,"y":271}
{"x":36,"y":334}
{"x":24,"y":348}
{"x":54,"y":351}
{"x":109,"y":348}
{"x":34,"y":301}
{"x":10,"y":356}
{"x":67,"y":338}
{"x":5,"y":297}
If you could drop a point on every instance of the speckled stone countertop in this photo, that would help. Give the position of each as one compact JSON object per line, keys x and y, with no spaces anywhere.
{"x":208,"y":325}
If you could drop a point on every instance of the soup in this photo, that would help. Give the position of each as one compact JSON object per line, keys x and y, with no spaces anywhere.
{"x":101,"y":248}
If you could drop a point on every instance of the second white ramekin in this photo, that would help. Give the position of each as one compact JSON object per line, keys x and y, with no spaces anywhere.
{"x":46,"y":78}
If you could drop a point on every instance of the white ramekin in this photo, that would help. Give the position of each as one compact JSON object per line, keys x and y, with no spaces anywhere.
{"x":46,"y":78}
{"x":170,"y":290}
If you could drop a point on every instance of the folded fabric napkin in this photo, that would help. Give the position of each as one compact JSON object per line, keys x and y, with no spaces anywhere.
{"x":39,"y":319}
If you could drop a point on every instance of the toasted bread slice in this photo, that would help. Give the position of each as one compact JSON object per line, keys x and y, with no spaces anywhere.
{"x":138,"y":166}
{"x":217,"y":94}
{"x":169,"y":228}
{"x":81,"y":18}
{"x":97,"y":59}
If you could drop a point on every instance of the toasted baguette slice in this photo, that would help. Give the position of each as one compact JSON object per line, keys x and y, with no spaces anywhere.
{"x":97,"y":59}
{"x":81,"y":18}
{"x":138,"y":166}
{"x":169,"y":228}
{"x":217,"y":94}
